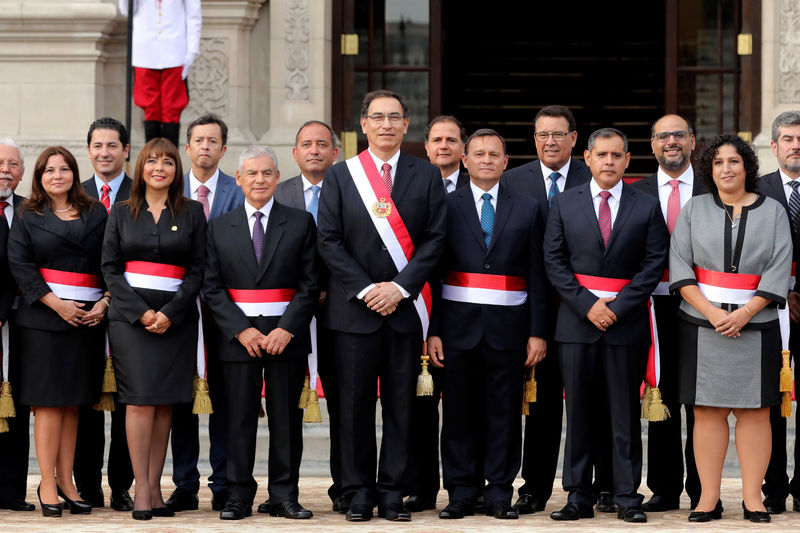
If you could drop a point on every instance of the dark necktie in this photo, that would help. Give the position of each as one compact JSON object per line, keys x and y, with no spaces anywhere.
{"x":258,"y":235}
{"x":604,"y":217}
{"x":313,"y":205}
{"x":794,"y":203}
{"x":105,"y":199}
{"x":553,"y":187}
{"x":387,"y":177}
{"x":487,"y":218}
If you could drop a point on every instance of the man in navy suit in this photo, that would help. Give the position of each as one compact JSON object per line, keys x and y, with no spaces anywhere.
{"x":672,"y":142}
{"x":490,"y":321}
{"x":605,"y":251}
{"x":206,"y":145}
{"x":381,"y":233}
{"x":445,"y":138}
{"x":107,"y":145}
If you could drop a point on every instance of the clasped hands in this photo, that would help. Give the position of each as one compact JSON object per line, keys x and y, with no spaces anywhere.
{"x":383,"y":298}
{"x":155,"y":321}
{"x":729,"y":324}
{"x":600,"y":315}
{"x":72,"y":312}
{"x":273,"y":343}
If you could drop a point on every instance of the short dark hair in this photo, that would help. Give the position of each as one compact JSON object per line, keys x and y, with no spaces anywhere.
{"x":485,"y":132}
{"x":447,"y":118}
{"x":209,"y":118}
{"x":334,"y":139}
{"x":606,"y":133}
{"x":556,"y":111}
{"x":383,"y":93}
{"x":744,"y":149}
{"x":108,"y":123}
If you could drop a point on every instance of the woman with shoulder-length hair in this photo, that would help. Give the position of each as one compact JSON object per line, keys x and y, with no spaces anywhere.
{"x":730,"y":258}
{"x":54,"y":255}
{"x":153,"y":259}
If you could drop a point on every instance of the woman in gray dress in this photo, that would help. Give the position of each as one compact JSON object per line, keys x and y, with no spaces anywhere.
{"x":731,"y":255}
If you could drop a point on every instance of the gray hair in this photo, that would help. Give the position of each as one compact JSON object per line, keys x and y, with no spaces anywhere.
{"x":787,"y":118}
{"x":254,"y":151}
{"x":8,"y":141}
{"x":607,"y":133}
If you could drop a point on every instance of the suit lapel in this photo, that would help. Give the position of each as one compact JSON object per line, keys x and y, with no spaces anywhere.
{"x":91,"y":220}
{"x":627,"y":199}
{"x":466,"y":204}
{"x":586,"y":205}
{"x":220,"y":196}
{"x":51,"y":223}
{"x":402,"y":178}
{"x":240,"y":234}
{"x":299,"y":197}
{"x":275,"y":228}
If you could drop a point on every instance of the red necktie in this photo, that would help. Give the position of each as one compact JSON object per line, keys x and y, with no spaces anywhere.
{"x":202,"y":197}
{"x":387,"y":177}
{"x":3,"y":205}
{"x":673,"y":205}
{"x":604,"y":217}
{"x":104,"y":199}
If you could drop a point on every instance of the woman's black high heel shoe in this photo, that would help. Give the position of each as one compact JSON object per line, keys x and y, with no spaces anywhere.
{"x":145,"y":514}
{"x":47,"y":509}
{"x":75,"y":506}
{"x":707,"y":516}
{"x":755,"y":516}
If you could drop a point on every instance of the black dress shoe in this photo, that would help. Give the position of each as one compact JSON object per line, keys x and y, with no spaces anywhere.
{"x":121,"y":500}
{"x":502,"y":510}
{"x":573,"y":511}
{"x":47,"y":509}
{"x":633,"y":513}
{"x":235,"y":510}
{"x":795,"y":504}
{"x":93,"y":497}
{"x":290,"y":509}
{"x":456,"y":510}
{"x":218,"y":500}
{"x":416,"y":504}
{"x":75,"y":506}
{"x":659,"y":504}
{"x":359,"y":513}
{"x":605,"y":504}
{"x":182,"y":500}
{"x":707,"y":516}
{"x":16,"y":505}
{"x":163,"y":512}
{"x":263,"y":508}
{"x":528,"y":504}
{"x":394,"y":512}
{"x":145,"y":514}
{"x":755,"y":516}
{"x":775,"y":506}
{"x":340,"y":505}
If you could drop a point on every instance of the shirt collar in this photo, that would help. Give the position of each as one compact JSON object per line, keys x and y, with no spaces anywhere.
{"x":687,"y":177}
{"x":211,"y":184}
{"x":454,"y":176}
{"x":379,"y":162}
{"x":616,"y":190}
{"x":249,"y":209}
{"x":307,"y":184}
{"x":785,"y":177}
{"x":477,"y":192}
{"x":113,"y":184}
{"x":546,"y":171}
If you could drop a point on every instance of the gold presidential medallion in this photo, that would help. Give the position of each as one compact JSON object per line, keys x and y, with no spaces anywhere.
{"x":382,"y":208}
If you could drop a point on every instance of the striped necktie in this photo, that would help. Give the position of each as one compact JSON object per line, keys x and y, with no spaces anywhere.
{"x":604,"y":217}
{"x":794,"y":203}
{"x":554,"y":190}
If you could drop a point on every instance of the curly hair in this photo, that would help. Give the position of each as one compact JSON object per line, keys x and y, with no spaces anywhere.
{"x":743,"y":148}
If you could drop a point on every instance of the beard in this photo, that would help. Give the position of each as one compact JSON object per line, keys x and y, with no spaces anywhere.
{"x":675,"y":165}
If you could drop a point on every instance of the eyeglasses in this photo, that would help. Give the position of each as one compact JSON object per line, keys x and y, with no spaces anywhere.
{"x":679,"y":135}
{"x":13,"y":164}
{"x":557,"y":136}
{"x":379,"y":118}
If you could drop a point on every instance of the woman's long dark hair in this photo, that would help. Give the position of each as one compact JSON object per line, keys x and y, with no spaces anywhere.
{"x":39,"y":199}
{"x":175,"y":199}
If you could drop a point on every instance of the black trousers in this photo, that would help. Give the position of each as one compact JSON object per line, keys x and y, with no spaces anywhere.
{"x":90,"y":449}
{"x":360,"y":360}
{"x":424,"y":451}
{"x":621,"y":369}
{"x":326,"y":367}
{"x":481,"y":403}
{"x":15,"y":443}
{"x":284,"y":381}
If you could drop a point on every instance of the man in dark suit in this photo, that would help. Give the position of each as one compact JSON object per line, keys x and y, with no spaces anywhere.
{"x":672,"y":141}
{"x":489,"y":323}
{"x":553,"y":172}
{"x":107,"y":144}
{"x":316,"y":148}
{"x":207,"y":138}
{"x":605,"y":251}
{"x":261,"y":284}
{"x":381,"y":233}
{"x":445,"y":138}
{"x":15,"y":443}
{"x":781,"y":185}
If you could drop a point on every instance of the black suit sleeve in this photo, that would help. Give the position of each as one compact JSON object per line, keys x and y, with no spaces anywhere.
{"x":184,"y":301}
{"x":23,"y":263}
{"x":538,"y":288}
{"x":124,"y":298}
{"x":298,"y":314}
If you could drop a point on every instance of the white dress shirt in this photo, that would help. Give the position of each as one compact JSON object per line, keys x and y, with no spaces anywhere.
{"x":251,"y":220}
{"x":685,"y":188}
{"x":451,"y":181}
{"x":308,"y":194}
{"x":613,"y":200}
{"x":211,"y":185}
{"x":114,"y":185}
{"x":166,"y":33}
{"x":561,"y":181}
{"x":786,"y":180}
{"x":392,"y":161}
{"x":477,"y":192}
{"x":9,"y":210}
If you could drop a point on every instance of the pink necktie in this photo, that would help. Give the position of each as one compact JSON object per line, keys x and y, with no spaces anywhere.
{"x":387,"y":176}
{"x":604,"y":217}
{"x":202,"y":197}
{"x":104,"y":199}
{"x":673,"y":205}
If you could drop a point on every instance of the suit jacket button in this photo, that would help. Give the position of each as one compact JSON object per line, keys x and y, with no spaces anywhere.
{"x":260,"y":316}
{"x":487,"y":266}
{"x":383,"y":247}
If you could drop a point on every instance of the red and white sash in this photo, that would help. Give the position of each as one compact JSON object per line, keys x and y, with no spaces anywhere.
{"x":263,"y":302}
{"x":73,"y":285}
{"x":490,"y":289}
{"x":391,"y":228}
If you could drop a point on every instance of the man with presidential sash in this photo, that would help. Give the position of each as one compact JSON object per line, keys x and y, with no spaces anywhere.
{"x":381,"y":233}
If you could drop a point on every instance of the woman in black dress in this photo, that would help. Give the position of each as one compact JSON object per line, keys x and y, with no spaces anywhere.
{"x":153,"y":258}
{"x":54,"y":254}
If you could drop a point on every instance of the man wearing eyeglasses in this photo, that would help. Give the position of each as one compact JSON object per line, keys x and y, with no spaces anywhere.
{"x":381,"y":227}
{"x":672,"y":141}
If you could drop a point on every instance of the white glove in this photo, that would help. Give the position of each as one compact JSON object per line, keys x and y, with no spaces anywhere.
{"x":187,"y":64}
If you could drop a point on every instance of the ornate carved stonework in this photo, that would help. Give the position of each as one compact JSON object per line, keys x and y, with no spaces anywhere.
{"x":789,"y":51}
{"x":208,"y":79}
{"x":297,"y":50}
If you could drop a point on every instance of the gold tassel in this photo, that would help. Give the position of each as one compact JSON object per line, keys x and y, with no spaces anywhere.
{"x":6,"y":401}
{"x":106,"y":402}
{"x":786,"y":372}
{"x":786,"y":404}
{"x":304,"y":394}
{"x":312,"y":414}
{"x":109,"y":381}
{"x":658,"y":412}
{"x":195,"y":385}
{"x":424,"y":379}
{"x":261,"y":412}
{"x":526,"y":409}
{"x":646,"y":402}
{"x":202,"y":400}
{"x":530,"y":385}
{"x":3,"y":425}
